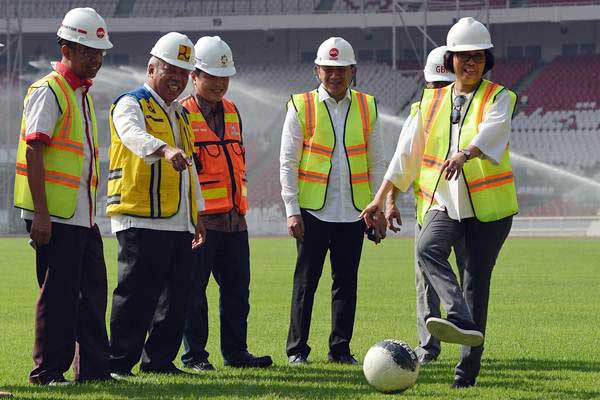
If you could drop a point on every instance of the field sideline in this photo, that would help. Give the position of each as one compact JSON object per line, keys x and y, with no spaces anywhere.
{"x":542,"y":340}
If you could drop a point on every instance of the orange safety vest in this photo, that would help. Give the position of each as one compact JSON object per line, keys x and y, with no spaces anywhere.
{"x":221,"y":163}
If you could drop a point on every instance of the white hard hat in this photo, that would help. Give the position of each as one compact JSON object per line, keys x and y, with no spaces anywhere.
{"x":176,"y":49}
{"x":434,"y":69}
{"x":214,"y":56}
{"x":468,"y":34}
{"x":1,"y":45}
{"x":85,"y":26}
{"x":336,"y":52}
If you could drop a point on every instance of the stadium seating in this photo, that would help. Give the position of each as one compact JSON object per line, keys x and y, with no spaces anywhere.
{"x":558,"y":125}
{"x":179,"y":8}
{"x":565,"y":82}
{"x":58,"y":8}
{"x":510,"y":72}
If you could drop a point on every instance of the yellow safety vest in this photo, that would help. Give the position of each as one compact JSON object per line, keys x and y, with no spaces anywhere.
{"x":63,"y":158}
{"x":149,"y":191}
{"x":491,"y":187}
{"x":319,"y":143}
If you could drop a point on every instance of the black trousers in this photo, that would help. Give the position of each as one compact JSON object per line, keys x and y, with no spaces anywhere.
{"x":344,"y":242}
{"x":70,"y":326}
{"x":150,"y":298}
{"x":227,"y":256}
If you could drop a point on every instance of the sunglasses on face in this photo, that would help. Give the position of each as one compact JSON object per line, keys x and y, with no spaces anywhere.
{"x":476,"y":57}
{"x":457,"y":104}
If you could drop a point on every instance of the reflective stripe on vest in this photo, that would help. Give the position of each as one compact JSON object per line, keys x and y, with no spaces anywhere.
{"x":63,"y":157}
{"x":221,"y":162}
{"x":149,"y":191}
{"x":491,"y":187}
{"x":319,"y":143}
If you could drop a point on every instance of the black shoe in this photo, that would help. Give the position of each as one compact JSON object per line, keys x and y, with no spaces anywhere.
{"x":461,"y":383}
{"x":59,"y":381}
{"x":453,"y":331}
{"x":200,"y":366}
{"x":427,"y":358}
{"x":298,"y":359}
{"x":342,"y":358}
{"x":168,"y":370}
{"x":49,"y":380}
{"x":99,"y":379}
{"x":121,"y":375}
{"x":247,"y":360}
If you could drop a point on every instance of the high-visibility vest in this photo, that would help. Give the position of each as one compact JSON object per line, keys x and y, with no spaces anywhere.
{"x":149,"y":191}
{"x":319,"y":143}
{"x":63,"y":158}
{"x":491,"y":187}
{"x":221,"y":162}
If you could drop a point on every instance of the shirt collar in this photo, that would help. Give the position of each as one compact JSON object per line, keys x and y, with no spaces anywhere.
{"x":323,"y":95}
{"x":207,"y":107}
{"x":74,"y":81}
{"x":174,"y":105}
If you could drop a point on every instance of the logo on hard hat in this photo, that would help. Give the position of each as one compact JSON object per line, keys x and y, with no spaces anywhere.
{"x":185,"y":52}
{"x":100,"y":32}
{"x":224,"y":60}
{"x":74,"y":29}
{"x":440,"y":69}
{"x":151,"y":108}
{"x":333,"y":53}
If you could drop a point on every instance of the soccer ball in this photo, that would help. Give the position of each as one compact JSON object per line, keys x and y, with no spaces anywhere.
{"x":391,"y":366}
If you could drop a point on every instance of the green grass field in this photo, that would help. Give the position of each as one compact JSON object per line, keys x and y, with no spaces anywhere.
{"x":542,"y":342}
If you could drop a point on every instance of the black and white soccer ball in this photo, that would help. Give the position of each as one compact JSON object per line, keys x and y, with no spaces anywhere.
{"x":391,"y":366}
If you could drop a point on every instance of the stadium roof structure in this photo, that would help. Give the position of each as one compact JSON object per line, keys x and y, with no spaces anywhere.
{"x":311,"y":18}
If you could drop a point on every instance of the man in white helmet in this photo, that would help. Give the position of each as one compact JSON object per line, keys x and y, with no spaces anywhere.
{"x":456,"y":152}
{"x":221,"y":166}
{"x":57,"y":174}
{"x":154,"y":201}
{"x":332,"y":155}
{"x":428,"y":303}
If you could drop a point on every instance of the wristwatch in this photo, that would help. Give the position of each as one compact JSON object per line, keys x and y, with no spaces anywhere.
{"x":467,"y":154}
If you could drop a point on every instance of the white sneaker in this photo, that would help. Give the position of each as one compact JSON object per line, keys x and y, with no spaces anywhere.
{"x":446,"y":331}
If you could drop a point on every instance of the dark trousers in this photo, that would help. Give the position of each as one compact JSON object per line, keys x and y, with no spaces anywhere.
{"x":70,"y":313}
{"x":344,"y":242}
{"x":150,"y":298}
{"x":227,"y":256}
{"x":483,"y":241}
{"x":428,"y":302}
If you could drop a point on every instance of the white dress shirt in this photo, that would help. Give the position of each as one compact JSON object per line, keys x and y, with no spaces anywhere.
{"x":130,"y":125}
{"x":41,"y":116}
{"x":452,"y":196}
{"x":339,"y":206}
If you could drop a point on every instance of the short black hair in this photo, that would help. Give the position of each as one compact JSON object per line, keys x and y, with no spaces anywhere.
{"x":490,"y":61}
{"x":64,"y":42}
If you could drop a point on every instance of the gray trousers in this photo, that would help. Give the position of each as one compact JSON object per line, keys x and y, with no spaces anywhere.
{"x":428,"y":302}
{"x":467,"y":305}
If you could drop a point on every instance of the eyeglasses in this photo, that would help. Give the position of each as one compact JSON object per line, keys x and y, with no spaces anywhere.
{"x":476,"y":57}
{"x":457,"y":104}
{"x":88,"y":52}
